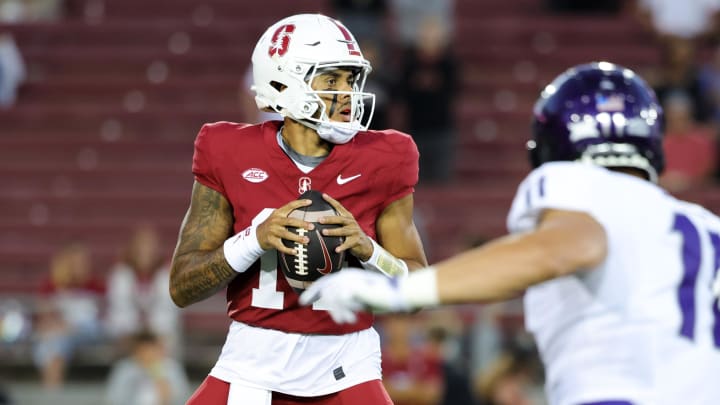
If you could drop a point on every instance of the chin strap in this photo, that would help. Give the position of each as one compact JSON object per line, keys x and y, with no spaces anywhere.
{"x":335,"y":133}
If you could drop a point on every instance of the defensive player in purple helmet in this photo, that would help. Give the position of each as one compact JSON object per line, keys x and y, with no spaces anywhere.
{"x":617,"y":273}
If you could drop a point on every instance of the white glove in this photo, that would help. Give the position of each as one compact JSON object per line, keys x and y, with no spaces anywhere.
{"x":352,"y":290}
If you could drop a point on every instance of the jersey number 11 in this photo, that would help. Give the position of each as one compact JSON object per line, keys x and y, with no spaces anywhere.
{"x":691,"y":260}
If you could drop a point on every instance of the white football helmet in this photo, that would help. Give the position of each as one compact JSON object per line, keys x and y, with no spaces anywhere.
{"x":287,"y":58}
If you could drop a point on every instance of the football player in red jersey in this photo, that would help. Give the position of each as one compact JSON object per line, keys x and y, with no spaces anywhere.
{"x":309,"y":69}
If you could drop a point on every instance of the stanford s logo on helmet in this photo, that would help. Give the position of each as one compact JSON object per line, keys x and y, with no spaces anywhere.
{"x":281,"y":40}
{"x":290,"y":54}
{"x":600,"y":113}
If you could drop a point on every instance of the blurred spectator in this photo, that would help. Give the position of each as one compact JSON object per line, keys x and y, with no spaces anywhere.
{"x":67,"y":314}
{"x":690,"y":148}
{"x":15,"y":322}
{"x":486,"y":337}
{"x":511,"y":380}
{"x":364,"y":18}
{"x":408,"y":17}
{"x":443,"y":329}
{"x":678,"y":27}
{"x":679,"y":72}
{"x":148,"y":376}
{"x":429,"y":88}
{"x":378,"y":83}
{"x":688,"y":19}
{"x":12,"y":70}
{"x":445,"y":332}
{"x":412,"y":373}
{"x":710,"y":84}
{"x":15,"y":11}
{"x":138,"y":292}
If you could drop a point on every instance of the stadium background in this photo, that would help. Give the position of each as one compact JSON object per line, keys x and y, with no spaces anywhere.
{"x":100,"y":138}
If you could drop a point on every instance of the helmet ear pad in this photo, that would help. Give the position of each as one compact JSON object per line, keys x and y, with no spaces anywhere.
{"x":298,"y":104}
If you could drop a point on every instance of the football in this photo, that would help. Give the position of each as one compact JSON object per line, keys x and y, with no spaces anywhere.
{"x":318,"y":257}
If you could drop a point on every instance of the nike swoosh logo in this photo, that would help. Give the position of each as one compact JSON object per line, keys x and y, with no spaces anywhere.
{"x":327,"y":267}
{"x":342,"y":181}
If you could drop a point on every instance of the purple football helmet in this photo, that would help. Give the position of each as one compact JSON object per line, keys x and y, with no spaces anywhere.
{"x":599,"y":113}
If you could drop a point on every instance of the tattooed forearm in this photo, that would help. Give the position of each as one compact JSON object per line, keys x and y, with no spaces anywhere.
{"x":199,"y":276}
{"x":199,"y":269}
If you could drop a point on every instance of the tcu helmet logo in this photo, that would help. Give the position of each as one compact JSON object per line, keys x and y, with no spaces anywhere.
{"x":304,"y":184}
{"x":281,"y":40}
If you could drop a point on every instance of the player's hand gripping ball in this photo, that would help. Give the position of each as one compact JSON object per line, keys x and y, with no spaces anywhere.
{"x":318,"y":257}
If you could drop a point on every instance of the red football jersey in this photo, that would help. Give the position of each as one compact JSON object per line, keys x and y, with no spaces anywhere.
{"x":247,"y":166}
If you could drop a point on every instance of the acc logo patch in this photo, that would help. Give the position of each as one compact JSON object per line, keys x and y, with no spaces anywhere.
{"x":254,"y":175}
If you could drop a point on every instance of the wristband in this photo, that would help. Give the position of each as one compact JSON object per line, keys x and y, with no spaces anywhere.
{"x":381,"y":260}
{"x":243,"y":249}
{"x":419,"y":288}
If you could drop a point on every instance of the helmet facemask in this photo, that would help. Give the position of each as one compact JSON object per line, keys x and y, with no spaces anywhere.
{"x":307,"y":105}
{"x":310,"y":109}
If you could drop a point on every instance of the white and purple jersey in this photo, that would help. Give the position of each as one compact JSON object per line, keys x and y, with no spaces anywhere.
{"x":642,"y":327}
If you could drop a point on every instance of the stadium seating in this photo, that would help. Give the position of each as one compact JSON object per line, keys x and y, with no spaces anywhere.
{"x":101,"y":138}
